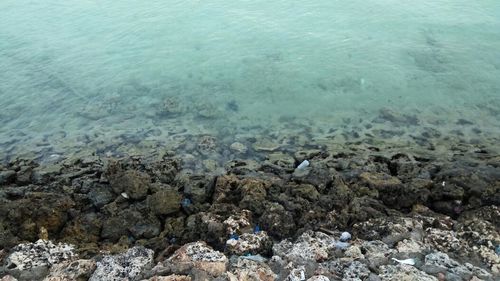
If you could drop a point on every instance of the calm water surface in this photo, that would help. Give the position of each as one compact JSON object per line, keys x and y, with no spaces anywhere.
{"x":86,"y":73}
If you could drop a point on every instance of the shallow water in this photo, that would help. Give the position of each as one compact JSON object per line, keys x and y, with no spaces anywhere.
{"x":87,"y":75}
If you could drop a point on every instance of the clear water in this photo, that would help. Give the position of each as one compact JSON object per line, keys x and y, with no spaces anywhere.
{"x":94,"y":75}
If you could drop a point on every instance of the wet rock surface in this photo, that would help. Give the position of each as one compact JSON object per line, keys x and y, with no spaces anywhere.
{"x":151,"y":218}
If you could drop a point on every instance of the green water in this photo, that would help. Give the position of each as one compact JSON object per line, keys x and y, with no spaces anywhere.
{"x":91,"y":75}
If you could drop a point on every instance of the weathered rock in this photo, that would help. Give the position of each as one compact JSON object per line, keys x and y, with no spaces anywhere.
{"x":164,"y":202}
{"x":8,"y":278}
{"x":197,"y":256}
{"x":310,"y":246}
{"x":173,"y":277}
{"x":101,"y":195}
{"x":197,"y":187}
{"x":130,"y":221}
{"x":441,"y":262}
{"x":247,"y":270}
{"x":238,"y":223}
{"x":32,"y":261}
{"x":276,"y":220}
{"x":356,"y":271}
{"x":253,"y":193}
{"x":71,"y":270}
{"x":403,"y":273}
{"x":227,"y":189}
{"x":250,"y":243}
{"x":306,"y":191}
{"x":24,"y":174}
{"x":134,"y":183}
{"x":7,"y":177}
{"x":318,"y":278}
{"x":126,"y":265}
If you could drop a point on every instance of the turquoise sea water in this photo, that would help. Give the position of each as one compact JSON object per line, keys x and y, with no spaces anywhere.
{"x":90,"y":75}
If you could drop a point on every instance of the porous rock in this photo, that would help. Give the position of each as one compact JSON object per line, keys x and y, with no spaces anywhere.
{"x":71,"y":270}
{"x":248,"y":270}
{"x":250,"y":243}
{"x":32,"y":261}
{"x":403,"y":273}
{"x":134,"y":183}
{"x":129,"y":264}
{"x":310,"y":246}
{"x":164,"y":202}
{"x":197,"y":256}
{"x":173,"y":277}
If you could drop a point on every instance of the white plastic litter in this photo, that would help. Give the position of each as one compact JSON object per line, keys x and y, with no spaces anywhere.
{"x":406,"y":261}
{"x":125,"y":195}
{"x":303,"y":165}
{"x":345,"y":236}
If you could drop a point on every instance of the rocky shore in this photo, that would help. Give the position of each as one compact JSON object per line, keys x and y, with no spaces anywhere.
{"x":355,"y":213}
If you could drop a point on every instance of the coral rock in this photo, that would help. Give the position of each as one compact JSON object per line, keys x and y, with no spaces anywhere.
{"x":129,"y":264}
{"x":32,"y":261}
{"x":199,"y":256}
{"x":71,"y":270}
